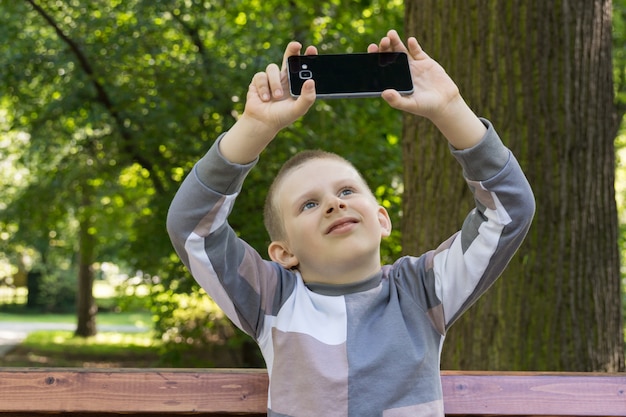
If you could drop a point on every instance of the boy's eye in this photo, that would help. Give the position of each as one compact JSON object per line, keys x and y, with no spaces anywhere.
{"x":346,"y":191}
{"x":308,"y":205}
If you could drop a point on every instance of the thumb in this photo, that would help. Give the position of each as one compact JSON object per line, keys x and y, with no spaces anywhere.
{"x":307,"y":97}
{"x":392,"y":97}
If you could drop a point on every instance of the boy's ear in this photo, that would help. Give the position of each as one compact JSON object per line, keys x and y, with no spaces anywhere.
{"x":385,"y":222}
{"x":279,"y":252}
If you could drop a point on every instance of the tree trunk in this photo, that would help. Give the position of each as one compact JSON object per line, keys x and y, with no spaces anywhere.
{"x":541,"y":71}
{"x":86,"y":306}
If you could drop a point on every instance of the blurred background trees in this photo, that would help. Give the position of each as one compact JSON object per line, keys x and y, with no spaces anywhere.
{"x":105,"y":105}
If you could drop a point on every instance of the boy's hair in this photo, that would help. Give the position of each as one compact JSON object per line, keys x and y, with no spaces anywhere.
{"x":271,"y":212}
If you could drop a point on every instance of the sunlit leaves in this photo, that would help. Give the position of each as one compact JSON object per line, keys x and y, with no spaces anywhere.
{"x":619,"y":78}
{"x":166,"y":78}
{"x":619,"y":51}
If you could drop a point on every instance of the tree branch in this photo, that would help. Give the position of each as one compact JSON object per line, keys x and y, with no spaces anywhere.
{"x":103,"y":98}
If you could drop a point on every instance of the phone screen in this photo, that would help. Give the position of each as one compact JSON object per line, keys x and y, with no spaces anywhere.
{"x":351,"y":75}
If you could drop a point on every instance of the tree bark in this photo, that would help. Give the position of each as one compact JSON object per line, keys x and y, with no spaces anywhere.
{"x":541,"y":71}
{"x":86,"y":305}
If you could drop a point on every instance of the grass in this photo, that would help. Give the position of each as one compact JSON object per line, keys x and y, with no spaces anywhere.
{"x":138,"y":319}
{"x":105,"y":350}
{"x":59,"y":348}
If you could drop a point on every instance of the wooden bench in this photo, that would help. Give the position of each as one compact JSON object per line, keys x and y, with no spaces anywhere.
{"x":224,"y":392}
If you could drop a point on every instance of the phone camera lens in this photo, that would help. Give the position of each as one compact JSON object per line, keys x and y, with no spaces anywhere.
{"x":305,"y":74}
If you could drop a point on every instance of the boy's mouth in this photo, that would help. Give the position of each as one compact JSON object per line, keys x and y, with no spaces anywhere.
{"x":340,"y":224}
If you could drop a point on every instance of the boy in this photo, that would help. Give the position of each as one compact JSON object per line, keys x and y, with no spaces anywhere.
{"x":342,"y":335}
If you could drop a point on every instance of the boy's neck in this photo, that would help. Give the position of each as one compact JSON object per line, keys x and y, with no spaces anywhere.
{"x":344,"y":289}
{"x":346,"y":274}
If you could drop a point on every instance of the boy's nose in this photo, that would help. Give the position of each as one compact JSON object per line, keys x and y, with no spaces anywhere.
{"x":335,"y":204}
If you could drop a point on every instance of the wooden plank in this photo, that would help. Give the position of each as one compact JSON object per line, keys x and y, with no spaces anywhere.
{"x":138,"y":391}
{"x":125,"y":414}
{"x":84,"y":392}
{"x":540,"y":394}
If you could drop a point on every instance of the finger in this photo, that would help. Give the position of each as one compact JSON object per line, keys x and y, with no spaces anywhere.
{"x":310,"y":50}
{"x":384,"y":45}
{"x":395,"y":42}
{"x":372,"y":47}
{"x":306,"y":98}
{"x":293,"y":48}
{"x":415,"y":48}
{"x":260,"y":86}
{"x":395,"y":99}
{"x":274,"y":80}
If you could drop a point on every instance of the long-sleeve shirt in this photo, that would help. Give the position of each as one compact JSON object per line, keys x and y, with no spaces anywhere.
{"x":366,"y":349}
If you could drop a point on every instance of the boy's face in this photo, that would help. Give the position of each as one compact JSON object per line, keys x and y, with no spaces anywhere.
{"x":333,"y":224}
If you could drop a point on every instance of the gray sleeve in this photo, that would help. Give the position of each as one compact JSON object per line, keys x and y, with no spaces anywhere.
{"x":220,"y":175}
{"x":449,"y":279}
{"x":230,"y":271}
{"x":492,"y":232}
{"x":484,"y":160}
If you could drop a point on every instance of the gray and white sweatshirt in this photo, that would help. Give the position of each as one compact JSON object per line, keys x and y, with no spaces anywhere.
{"x":365,"y":349}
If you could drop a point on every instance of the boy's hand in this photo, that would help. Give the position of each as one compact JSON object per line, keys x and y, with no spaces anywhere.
{"x":268,"y":100}
{"x":433,"y":89}
{"x":269,"y":108}
{"x":435,"y":95}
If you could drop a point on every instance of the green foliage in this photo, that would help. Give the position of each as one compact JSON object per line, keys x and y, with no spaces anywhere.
{"x":57,"y":292}
{"x":619,"y":78}
{"x":196,"y":332}
{"x":619,"y":53}
{"x":130,"y":295}
{"x":106,"y":105}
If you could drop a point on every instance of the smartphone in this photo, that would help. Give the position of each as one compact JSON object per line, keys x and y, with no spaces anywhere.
{"x":351,"y":75}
